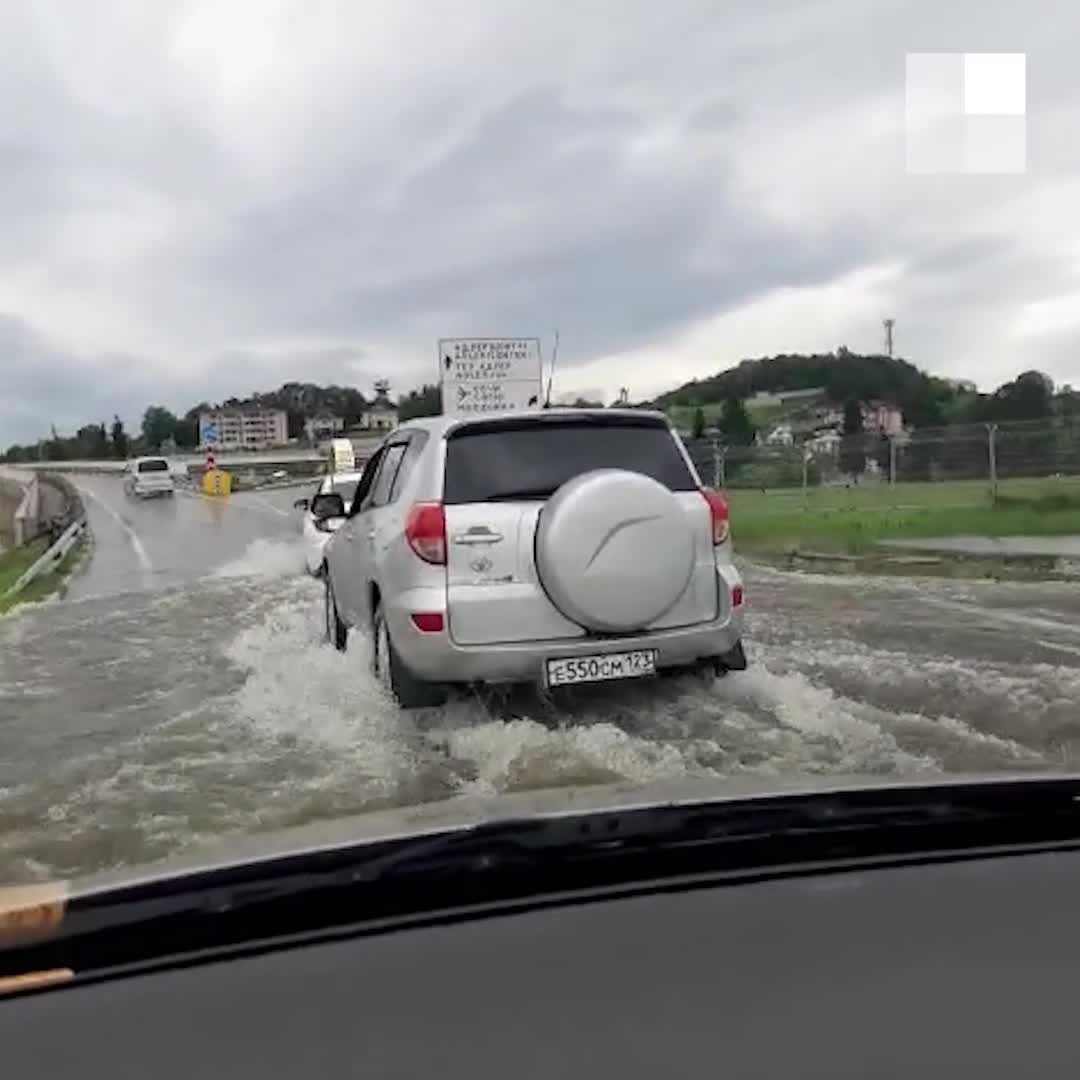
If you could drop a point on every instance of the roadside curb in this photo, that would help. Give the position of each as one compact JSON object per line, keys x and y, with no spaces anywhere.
{"x":936,"y":564}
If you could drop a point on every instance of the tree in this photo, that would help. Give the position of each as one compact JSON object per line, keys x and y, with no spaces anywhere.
{"x":99,"y":442}
{"x":883,"y":454}
{"x":853,"y":448}
{"x":1028,"y":397}
{"x":90,"y":443}
{"x":187,"y":433}
{"x":427,"y":401}
{"x":698,"y":428}
{"x":925,"y":407}
{"x":119,"y":439}
{"x":735,"y":423}
{"x":56,"y":449}
{"x":294,"y":421}
{"x":158,"y":426}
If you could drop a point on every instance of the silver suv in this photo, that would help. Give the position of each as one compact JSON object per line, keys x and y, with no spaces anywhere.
{"x":558,"y":546}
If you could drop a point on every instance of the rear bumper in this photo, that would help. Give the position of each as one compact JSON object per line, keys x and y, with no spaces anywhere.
{"x":435,"y":657}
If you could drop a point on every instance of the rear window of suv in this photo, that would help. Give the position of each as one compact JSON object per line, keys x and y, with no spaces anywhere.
{"x":154,"y":465}
{"x":507,"y":459}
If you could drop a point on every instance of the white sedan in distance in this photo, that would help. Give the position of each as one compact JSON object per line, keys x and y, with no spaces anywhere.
{"x":146,"y":477}
{"x":317,"y":527}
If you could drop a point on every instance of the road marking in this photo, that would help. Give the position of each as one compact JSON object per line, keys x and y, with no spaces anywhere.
{"x":235,"y":500}
{"x":132,"y":535}
{"x":263,"y":501}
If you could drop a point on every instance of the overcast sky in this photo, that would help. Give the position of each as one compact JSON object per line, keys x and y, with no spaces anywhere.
{"x":200,"y":199}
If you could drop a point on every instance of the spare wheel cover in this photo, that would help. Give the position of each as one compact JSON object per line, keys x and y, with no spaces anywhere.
{"x":614,"y":550}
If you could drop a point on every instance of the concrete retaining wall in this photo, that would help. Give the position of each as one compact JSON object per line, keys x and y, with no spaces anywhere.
{"x":12,"y":494}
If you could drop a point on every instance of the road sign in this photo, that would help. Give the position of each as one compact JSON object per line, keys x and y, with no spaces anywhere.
{"x":488,"y":376}
{"x":342,"y":456}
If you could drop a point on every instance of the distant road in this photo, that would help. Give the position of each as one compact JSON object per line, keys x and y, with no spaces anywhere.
{"x":283,"y":456}
{"x":162,"y":543}
{"x":229,"y":461}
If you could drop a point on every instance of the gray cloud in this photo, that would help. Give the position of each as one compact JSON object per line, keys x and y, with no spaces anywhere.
{"x":194,"y":206}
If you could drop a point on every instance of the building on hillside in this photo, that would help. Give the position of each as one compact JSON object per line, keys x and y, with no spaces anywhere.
{"x":381,"y":414}
{"x":781,"y":435}
{"x":826,"y":416}
{"x":323,"y":426}
{"x":882,"y":418}
{"x":251,"y":428}
{"x":824,"y":442}
{"x":785,"y":397}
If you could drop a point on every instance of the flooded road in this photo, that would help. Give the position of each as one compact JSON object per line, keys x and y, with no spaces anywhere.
{"x":182,"y":692}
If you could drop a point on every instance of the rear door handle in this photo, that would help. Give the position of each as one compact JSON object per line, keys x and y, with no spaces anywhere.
{"x":478,"y":537}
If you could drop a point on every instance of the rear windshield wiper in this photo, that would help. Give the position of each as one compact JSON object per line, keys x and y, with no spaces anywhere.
{"x":520,"y":493}
{"x":494,"y":867}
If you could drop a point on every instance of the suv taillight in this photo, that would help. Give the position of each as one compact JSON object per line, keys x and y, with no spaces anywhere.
{"x":425,"y":529}
{"x":718,"y":510}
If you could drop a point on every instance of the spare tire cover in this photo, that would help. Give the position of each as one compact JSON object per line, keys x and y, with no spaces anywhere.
{"x":614,"y":550}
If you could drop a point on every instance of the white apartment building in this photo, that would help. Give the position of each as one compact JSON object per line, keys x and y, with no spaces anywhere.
{"x":243,"y":429}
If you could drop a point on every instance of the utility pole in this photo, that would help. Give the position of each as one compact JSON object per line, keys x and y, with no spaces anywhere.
{"x":889,"y":324}
{"x":991,"y":446}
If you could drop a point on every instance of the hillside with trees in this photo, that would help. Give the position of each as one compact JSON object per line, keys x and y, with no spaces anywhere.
{"x":843,"y":375}
{"x":926,"y":401}
{"x":716,"y":402}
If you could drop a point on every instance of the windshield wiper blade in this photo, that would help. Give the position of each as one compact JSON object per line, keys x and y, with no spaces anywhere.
{"x":520,"y":493}
{"x":535,"y":859}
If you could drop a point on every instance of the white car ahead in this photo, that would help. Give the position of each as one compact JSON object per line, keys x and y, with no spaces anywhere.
{"x":317,"y":528}
{"x":148,"y":476}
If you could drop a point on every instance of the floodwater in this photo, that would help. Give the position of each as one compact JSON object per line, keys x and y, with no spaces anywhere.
{"x":182,"y":693}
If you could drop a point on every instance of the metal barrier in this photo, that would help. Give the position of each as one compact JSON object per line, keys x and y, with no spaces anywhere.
{"x":51,"y":558}
{"x":63,"y":529}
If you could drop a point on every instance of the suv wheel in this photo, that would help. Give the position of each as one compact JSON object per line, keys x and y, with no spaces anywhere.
{"x":394,"y":677}
{"x":337,"y":633}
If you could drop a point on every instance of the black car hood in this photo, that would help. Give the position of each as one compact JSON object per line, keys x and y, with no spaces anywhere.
{"x":465,"y":812}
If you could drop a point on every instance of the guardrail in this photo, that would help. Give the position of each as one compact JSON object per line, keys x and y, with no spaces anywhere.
{"x":50,"y":558}
{"x":226,"y":460}
{"x":64,"y":527}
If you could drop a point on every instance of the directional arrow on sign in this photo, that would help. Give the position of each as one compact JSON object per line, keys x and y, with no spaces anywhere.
{"x":462,"y":394}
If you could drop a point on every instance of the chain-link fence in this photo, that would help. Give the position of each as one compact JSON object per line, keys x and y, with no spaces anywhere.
{"x":962,"y":465}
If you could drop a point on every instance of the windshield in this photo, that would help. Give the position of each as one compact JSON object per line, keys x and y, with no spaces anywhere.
{"x":701,"y":381}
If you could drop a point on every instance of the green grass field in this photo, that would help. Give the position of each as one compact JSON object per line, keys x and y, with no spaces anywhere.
{"x":14,"y":563}
{"x":852,"y":520}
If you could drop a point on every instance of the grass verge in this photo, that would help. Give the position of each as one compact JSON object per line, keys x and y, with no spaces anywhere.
{"x":856,"y":531}
{"x":14,"y":563}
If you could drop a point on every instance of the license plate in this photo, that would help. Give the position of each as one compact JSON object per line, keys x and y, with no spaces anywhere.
{"x":587,"y":669}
